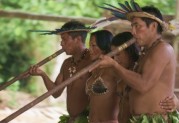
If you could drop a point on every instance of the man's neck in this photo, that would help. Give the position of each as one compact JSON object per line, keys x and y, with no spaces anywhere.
{"x":153,"y":40}
{"x":78,"y":54}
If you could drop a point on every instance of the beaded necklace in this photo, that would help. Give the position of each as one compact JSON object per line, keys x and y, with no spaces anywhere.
{"x":73,"y":68}
{"x":144,"y":51}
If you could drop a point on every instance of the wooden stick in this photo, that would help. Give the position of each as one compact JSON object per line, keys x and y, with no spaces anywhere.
{"x":43,"y":17}
{"x":65,"y":83}
{"x":26,"y":73}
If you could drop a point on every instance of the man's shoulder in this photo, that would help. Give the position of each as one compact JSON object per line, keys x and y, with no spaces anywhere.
{"x":163,"y":51}
{"x":67,"y":61}
{"x":163,"y":47}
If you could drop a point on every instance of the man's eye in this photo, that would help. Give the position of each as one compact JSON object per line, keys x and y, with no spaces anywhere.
{"x":137,"y":26}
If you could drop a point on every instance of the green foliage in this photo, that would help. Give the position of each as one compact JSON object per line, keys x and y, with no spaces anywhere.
{"x":14,"y":87}
{"x":64,"y":118}
{"x":167,"y":7}
{"x":19,"y":49}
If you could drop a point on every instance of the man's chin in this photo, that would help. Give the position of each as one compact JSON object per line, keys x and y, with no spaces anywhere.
{"x":67,"y":53}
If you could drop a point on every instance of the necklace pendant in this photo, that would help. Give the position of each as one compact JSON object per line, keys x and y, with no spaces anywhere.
{"x":72,"y":70}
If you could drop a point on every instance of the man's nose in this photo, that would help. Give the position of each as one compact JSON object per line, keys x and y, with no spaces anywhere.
{"x":133,"y":31}
{"x":62,"y":43}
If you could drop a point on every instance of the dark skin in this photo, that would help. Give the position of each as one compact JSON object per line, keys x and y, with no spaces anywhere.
{"x":123,"y":58}
{"x":77,"y":100}
{"x":155,"y":70}
{"x":103,"y":107}
{"x":100,"y":105}
{"x":170,"y":103}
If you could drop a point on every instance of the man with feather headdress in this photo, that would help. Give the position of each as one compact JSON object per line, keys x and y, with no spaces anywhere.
{"x":73,"y":35}
{"x":153,"y":77}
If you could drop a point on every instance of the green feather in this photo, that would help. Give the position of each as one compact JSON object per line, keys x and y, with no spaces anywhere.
{"x":128,"y":6}
{"x":124,"y":7}
{"x":132,"y":5}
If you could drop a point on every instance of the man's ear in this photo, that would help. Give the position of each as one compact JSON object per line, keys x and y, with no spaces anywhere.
{"x":154,"y":26}
{"x":78,"y":38}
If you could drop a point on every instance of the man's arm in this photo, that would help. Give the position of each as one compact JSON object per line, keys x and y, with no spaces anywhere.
{"x":36,"y":71}
{"x":50,"y":85}
{"x":150,"y":72}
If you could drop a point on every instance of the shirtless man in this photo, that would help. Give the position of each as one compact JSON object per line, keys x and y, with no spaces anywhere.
{"x":73,"y":35}
{"x":154,"y":76}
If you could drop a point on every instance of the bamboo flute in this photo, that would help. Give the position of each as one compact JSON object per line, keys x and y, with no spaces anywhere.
{"x":26,"y":73}
{"x":65,"y":83}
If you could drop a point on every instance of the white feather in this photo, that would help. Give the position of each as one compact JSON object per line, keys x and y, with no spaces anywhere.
{"x":102,"y":22}
{"x":173,"y":27}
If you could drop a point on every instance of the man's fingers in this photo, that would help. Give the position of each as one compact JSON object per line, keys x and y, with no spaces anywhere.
{"x":33,"y":69}
{"x":166,"y":103}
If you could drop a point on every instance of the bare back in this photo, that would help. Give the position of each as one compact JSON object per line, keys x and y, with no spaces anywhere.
{"x":157,"y":68}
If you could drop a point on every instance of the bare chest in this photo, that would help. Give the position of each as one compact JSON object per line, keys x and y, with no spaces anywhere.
{"x":140,"y":64}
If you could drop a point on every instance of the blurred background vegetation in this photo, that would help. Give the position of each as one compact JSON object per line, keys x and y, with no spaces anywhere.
{"x":20,"y":49}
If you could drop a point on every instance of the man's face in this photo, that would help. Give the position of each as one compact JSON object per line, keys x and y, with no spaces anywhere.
{"x":95,"y":51}
{"x":67,"y":43}
{"x":140,"y":31}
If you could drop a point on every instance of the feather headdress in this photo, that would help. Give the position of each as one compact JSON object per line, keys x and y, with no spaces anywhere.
{"x":173,"y":27}
{"x":62,"y":30}
{"x":131,"y":9}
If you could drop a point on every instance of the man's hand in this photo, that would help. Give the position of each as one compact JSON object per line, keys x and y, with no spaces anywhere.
{"x":105,"y":61}
{"x":35,"y":71}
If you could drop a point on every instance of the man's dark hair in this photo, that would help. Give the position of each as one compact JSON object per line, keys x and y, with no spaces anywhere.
{"x":153,"y":11}
{"x":122,"y":38}
{"x":72,"y":25}
{"x":103,"y":40}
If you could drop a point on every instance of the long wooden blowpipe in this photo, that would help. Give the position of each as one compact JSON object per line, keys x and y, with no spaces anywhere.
{"x":65,"y":83}
{"x":26,"y":74}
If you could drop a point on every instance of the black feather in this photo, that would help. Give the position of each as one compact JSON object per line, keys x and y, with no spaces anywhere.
{"x":113,"y":18}
{"x":110,"y":9}
{"x":137,"y":7}
{"x":124,"y":7}
{"x":44,"y":32}
{"x":119,"y":15}
{"x":39,"y":30}
{"x":122,"y":11}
